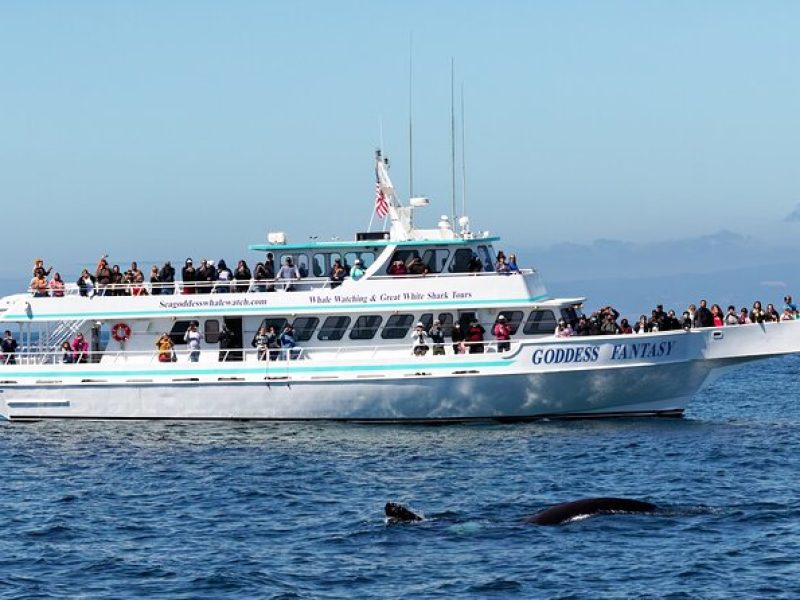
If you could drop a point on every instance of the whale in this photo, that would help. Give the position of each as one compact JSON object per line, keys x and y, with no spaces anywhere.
{"x":397,"y":513}
{"x":561,"y":513}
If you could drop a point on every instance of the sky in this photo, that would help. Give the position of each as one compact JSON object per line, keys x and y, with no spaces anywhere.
{"x":156,"y":130}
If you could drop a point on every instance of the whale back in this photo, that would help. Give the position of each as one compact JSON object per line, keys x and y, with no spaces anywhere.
{"x":561,"y":513}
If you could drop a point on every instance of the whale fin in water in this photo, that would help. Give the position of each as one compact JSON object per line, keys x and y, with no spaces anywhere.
{"x":397,"y":513}
{"x":561,"y":513}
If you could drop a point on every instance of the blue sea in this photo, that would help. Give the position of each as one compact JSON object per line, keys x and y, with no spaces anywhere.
{"x":245,"y":509}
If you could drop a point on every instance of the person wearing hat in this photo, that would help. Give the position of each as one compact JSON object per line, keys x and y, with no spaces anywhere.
{"x":436,"y":333}
{"x":474,"y":337}
{"x":420,"y":340}
{"x":357,"y":272}
{"x":502,"y":333}
{"x":189,"y":276}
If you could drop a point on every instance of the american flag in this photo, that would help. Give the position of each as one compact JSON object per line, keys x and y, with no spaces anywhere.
{"x":381,"y":205}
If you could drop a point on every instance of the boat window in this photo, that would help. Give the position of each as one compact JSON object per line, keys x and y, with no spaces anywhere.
{"x":366,"y":327}
{"x":211,"y":331}
{"x":367,"y":258}
{"x":397,"y":327}
{"x":426,"y":320}
{"x":570,"y":315}
{"x":486,"y":258}
{"x":540,"y":321}
{"x":513,"y":319}
{"x":461,"y":260}
{"x":333,"y":328}
{"x":277,"y":322}
{"x":403,"y":255}
{"x":446,"y":320}
{"x":436,"y":259}
{"x":304,"y":328}
{"x":177,"y":331}
{"x":318,"y":265}
{"x":302,"y":264}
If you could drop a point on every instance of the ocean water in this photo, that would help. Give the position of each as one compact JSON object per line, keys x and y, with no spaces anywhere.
{"x":234,"y":510}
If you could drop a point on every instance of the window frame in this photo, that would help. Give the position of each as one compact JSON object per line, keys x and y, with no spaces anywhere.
{"x":366,"y":332}
{"x":391,"y":331}
{"x":333,"y":333}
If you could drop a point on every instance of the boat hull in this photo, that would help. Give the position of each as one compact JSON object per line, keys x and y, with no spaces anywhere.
{"x":652,"y":390}
{"x":574,"y":377}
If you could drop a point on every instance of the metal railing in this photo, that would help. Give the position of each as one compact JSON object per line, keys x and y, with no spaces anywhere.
{"x":369,"y":353}
{"x":235,"y":286}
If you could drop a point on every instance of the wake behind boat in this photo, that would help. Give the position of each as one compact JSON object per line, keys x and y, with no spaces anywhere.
{"x":390,"y":326}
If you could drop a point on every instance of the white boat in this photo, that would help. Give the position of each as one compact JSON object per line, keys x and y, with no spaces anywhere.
{"x":354,"y":359}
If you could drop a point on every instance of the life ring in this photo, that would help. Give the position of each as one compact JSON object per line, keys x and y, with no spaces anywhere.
{"x":121,"y":332}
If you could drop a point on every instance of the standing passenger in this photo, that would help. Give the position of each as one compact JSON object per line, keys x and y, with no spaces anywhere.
{"x":165,"y":347}
{"x":502,"y":333}
{"x":9,"y":348}
{"x":436,"y":333}
{"x":420,"y":338}
{"x":288,"y":343}
{"x":189,"y":276}
{"x":474,"y":337}
{"x":226,"y":340}
{"x":457,"y":337}
{"x":260,"y":342}
{"x":167,"y":278}
{"x":80,"y":349}
{"x":192,"y":338}
{"x":57,"y":286}
{"x":242,"y":276}
{"x":731,"y":318}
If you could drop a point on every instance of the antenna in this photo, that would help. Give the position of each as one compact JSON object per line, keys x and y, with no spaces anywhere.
{"x":410,"y":113}
{"x":453,"y":137}
{"x":463,"y":157}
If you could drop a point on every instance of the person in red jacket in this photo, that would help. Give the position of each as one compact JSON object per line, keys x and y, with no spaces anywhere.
{"x":502,"y":333}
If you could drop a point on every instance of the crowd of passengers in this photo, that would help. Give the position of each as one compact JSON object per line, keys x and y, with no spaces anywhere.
{"x":466,"y":338}
{"x":606,"y":321}
{"x":217,"y":277}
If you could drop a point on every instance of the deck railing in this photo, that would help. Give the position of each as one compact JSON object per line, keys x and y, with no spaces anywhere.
{"x":250,"y":286}
{"x":368,"y":353}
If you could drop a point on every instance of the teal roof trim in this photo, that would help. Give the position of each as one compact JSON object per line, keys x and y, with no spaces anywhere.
{"x":366,"y":244}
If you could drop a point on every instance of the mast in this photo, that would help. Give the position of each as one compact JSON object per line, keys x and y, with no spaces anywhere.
{"x":410,"y":120}
{"x":452,"y":140}
{"x":463,"y":157}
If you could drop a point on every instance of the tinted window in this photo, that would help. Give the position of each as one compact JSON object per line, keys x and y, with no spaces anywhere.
{"x":304,"y":328}
{"x":486,"y":258}
{"x":540,"y":321}
{"x":211,"y":331}
{"x":514,"y":318}
{"x":177,"y":331}
{"x":333,"y":328}
{"x":318,"y":265}
{"x":436,"y":259}
{"x":397,"y":327}
{"x":365,"y":327}
{"x":426,"y":320}
{"x":278,"y":322}
{"x":460,"y":262}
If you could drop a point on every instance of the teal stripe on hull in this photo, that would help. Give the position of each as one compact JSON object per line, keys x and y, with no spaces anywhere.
{"x":267,"y":309}
{"x":278,"y":369}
